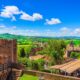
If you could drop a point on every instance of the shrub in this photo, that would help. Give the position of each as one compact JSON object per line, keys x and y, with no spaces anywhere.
{"x":22,"y":60}
{"x":37,"y":64}
{"x":74,"y":55}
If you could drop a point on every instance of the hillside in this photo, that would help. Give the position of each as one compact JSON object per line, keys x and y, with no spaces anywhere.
{"x":21,"y":38}
{"x":11,"y":36}
{"x":29,"y":39}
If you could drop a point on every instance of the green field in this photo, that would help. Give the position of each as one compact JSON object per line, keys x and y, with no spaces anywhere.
{"x":26,"y":48}
{"x":75,"y":41}
{"x":28,"y":77}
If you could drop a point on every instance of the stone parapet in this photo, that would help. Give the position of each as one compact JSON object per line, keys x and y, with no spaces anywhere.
{"x":50,"y":76}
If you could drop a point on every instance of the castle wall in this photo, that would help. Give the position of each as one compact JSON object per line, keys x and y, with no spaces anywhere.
{"x":8,"y":50}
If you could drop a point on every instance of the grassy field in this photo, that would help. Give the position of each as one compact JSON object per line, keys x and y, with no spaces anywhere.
{"x":75,"y":41}
{"x":26,"y":47}
{"x":28,"y":77}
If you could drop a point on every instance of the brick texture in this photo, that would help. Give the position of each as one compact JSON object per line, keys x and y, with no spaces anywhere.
{"x":8,"y":51}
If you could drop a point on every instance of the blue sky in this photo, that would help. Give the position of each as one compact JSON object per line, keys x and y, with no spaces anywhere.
{"x":40,"y":17}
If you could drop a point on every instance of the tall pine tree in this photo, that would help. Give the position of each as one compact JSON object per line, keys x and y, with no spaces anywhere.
{"x":22,"y":52}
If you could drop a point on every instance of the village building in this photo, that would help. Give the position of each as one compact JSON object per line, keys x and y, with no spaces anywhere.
{"x":71,"y":66}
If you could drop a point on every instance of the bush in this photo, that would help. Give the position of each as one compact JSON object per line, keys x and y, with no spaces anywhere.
{"x":22,"y":60}
{"x":37,"y":64}
{"x":40,"y":63}
{"x":75,"y":55}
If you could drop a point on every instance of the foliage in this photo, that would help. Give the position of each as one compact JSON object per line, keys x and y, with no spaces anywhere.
{"x":75,"y":41}
{"x":27,"y":49}
{"x":75,"y":55}
{"x":22,"y":52}
{"x":35,"y":64}
{"x":26,"y":40}
{"x":55,"y":50}
{"x":32,"y":64}
{"x":38,"y":64}
{"x":41,"y":52}
{"x":22,"y":60}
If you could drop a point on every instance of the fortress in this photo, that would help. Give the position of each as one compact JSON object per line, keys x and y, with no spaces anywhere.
{"x":8,"y":60}
{"x":8,"y":51}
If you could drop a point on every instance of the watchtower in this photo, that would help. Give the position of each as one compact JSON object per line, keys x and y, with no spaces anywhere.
{"x":8,"y":60}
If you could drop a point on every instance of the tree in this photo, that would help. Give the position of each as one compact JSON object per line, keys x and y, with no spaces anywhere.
{"x":55,"y":49}
{"x":22,"y":52}
{"x":63,"y":44}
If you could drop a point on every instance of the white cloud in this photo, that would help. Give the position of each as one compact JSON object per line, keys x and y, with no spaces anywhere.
{"x":37,"y":16}
{"x":2,"y":26}
{"x":14,"y":30}
{"x":69,"y":31}
{"x":64,"y":29}
{"x":34,"y":17}
{"x":53,"y":21}
{"x":14,"y":27}
{"x":9,"y":12}
{"x":27,"y":32}
{"x":77,"y":31}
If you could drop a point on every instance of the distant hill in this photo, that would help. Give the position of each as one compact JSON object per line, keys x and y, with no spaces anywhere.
{"x":30,"y":39}
{"x":67,"y":37}
{"x":18,"y":37}
{"x":11,"y":36}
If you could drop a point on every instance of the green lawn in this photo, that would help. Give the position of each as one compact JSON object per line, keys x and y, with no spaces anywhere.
{"x":26,"y":47}
{"x":28,"y":77}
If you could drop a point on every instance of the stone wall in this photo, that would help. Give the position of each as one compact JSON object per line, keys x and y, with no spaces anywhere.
{"x":49,"y":76}
{"x":8,"y":50}
{"x":3,"y":75}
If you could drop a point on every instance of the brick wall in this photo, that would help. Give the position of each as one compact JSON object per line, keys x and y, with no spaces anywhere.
{"x":8,"y":50}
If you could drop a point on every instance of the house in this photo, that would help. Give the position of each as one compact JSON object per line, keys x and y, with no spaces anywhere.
{"x":36,"y":57}
{"x":71,"y":68}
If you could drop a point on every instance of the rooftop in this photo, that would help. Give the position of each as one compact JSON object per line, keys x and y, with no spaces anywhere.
{"x":68,"y":67}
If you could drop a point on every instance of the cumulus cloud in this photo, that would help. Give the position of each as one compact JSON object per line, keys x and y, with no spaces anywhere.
{"x":11,"y":11}
{"x":34,"y":17}
{"x":53,"y":21}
